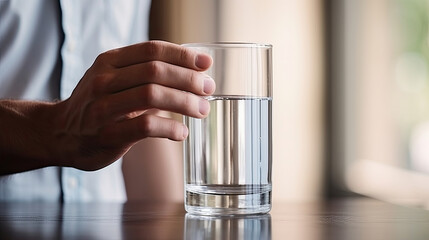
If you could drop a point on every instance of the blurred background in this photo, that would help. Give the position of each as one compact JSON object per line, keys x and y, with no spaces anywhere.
{"x":351,"y":89}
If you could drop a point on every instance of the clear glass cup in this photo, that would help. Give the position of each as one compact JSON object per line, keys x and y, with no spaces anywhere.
{"x":228,"y":155}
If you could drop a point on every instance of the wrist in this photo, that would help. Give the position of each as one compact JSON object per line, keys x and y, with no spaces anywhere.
{"x":26,"y":141}
{"x":43,"y":116}
{"x":60,"y":139}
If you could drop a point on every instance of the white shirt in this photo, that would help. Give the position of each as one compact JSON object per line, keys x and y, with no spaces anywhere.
{"x":31,"y":51}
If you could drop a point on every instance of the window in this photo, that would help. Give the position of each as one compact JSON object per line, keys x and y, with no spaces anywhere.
{"x":379,"y":99}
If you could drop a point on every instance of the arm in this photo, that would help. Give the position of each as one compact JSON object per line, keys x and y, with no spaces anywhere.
{"x":25,"y":136}
{"x":107,"y":113}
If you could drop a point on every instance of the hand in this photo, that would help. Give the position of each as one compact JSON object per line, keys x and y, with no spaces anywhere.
{"x":115,"y":103}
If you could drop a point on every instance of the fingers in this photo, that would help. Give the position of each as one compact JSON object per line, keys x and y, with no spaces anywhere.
{"x":146,"y":125}
{"x":128,"y":81}
{"x":157,"y":51}
{"x":162,"y":73}
{"x":149,"y":96}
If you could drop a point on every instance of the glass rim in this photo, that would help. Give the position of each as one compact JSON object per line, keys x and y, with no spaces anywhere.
{"x":229,"y":45}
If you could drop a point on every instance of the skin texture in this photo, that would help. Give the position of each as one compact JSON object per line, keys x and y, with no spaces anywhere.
{"x":116,"y":104}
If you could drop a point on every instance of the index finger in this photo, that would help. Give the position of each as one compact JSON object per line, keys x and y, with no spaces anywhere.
{"x":158,"y":51}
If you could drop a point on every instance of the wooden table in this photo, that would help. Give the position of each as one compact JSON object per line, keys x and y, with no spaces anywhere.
{"x":356,"y":218}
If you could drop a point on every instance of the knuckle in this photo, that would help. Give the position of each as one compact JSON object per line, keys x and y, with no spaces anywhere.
{"x":100,"y":59}
{"x":154,"y":69}
{"x":150,"y":93}
{"x":104,"y":57}
{"x":185,"y":55}
{"x":195,"y":81}
{"x":100,"y":82}
{"x":154,"y":48}
{"x":188,"y":102}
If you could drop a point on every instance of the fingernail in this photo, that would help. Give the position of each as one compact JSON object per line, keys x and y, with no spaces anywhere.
{"x":209,"y":85}
{"x":204,"y":107}
{"x":185,"y":132}
{"x":203,"y":61}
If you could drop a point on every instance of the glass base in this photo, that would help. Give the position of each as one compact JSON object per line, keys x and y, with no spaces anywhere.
{"x":227,"y":204}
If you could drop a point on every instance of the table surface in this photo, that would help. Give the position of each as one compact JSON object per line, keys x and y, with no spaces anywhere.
{"x":356,"y":218}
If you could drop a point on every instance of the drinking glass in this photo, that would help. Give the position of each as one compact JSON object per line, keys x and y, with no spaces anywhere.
{"x":228,"y":155}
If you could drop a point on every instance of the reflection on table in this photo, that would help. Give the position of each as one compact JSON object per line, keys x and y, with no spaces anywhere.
{"x":334,"y":219}
{"x":228,"y":227}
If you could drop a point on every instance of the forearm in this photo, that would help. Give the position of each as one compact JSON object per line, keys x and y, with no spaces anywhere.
{"x":25,"y":136}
